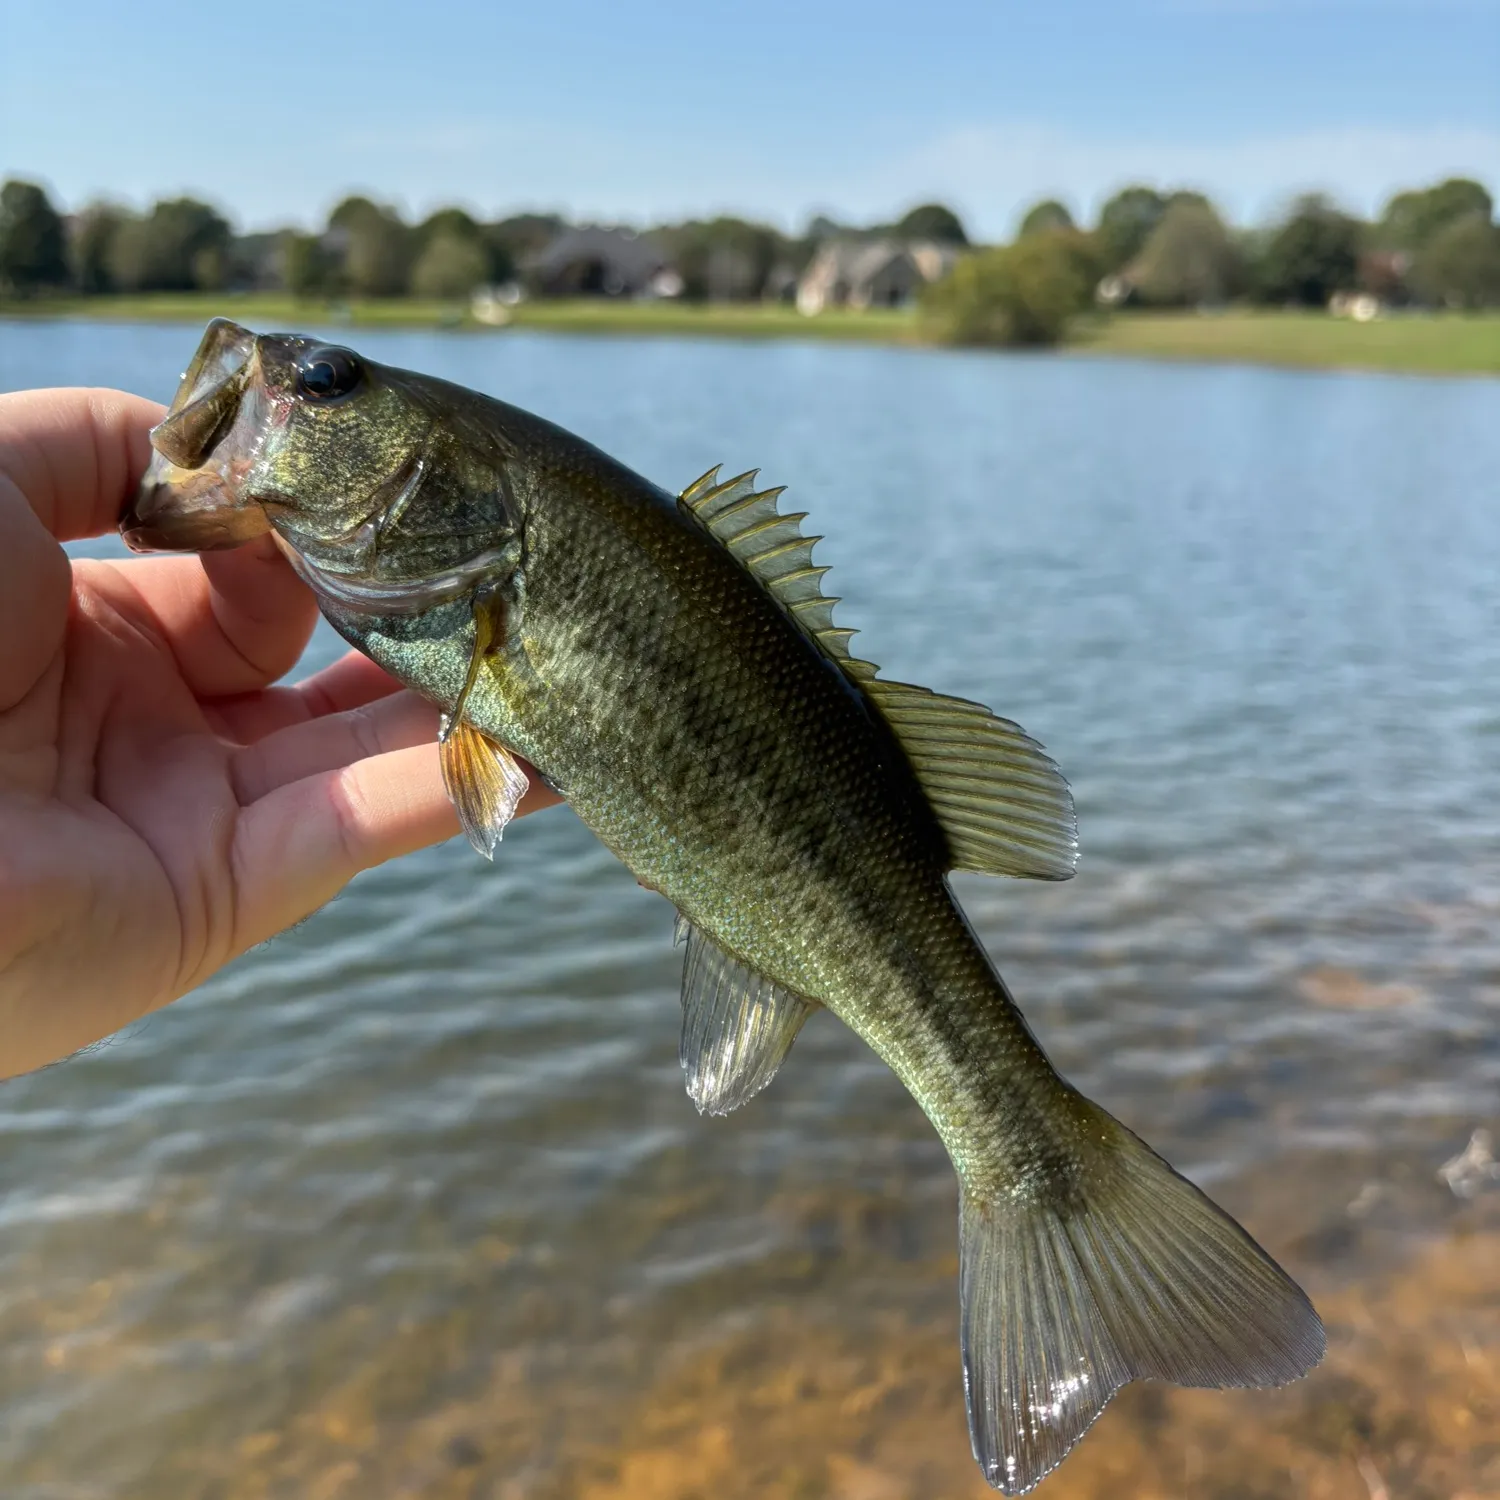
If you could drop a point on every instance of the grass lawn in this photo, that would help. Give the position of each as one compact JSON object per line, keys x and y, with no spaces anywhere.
{"x":1448,"y":343}
{"x":268,"y":310}
{"x":1445,"y":343}
{"x":734,"y":320}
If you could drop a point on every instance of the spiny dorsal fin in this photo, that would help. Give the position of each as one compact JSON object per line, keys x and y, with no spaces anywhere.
{"x":737,"y":1027}
{"x":773,"y":550}
{"x":1001,"y":800}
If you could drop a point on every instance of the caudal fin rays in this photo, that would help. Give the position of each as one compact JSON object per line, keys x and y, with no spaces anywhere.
{"x":1133,"y":1275}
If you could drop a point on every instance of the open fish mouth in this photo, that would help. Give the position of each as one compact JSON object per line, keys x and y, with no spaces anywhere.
{"x":201,"y":491}
{"x":190,"y":497}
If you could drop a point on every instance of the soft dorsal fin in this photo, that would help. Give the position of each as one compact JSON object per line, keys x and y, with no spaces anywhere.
{"x":1001,"y":800}
{"x":737,"y":1027}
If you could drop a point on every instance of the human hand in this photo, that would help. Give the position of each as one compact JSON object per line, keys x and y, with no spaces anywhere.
{"x":163,"y":807}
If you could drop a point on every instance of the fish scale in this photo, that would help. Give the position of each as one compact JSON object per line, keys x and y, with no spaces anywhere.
{"x":671,"y":664}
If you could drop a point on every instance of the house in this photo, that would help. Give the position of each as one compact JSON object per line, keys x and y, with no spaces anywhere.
{"x":869,"y":273}
{"x":933,"y":260}
{"x":594,"y":261}
{"x":780,"y":284}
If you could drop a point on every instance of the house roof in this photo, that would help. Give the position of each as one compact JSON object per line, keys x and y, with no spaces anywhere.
{"x":858,"y":262}
{"x":635,"y":256}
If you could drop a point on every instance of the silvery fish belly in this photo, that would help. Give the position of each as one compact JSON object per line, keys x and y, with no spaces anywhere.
{"x":670,"y":662}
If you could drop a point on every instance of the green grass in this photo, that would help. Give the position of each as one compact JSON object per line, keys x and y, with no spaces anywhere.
{"x":734,"y":320}
{"x":267,"y":310}
{"x":1445,"y":343}
{"x":263,"y":310}
{"x":1448,"y":343}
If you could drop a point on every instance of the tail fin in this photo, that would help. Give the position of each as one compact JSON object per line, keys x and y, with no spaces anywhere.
{"x":1133,"y":1274}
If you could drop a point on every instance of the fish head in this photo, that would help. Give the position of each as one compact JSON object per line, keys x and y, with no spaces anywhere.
{"x":370,"y":477}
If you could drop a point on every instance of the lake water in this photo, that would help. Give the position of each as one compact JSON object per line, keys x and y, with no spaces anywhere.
{"x":411,"y":1201}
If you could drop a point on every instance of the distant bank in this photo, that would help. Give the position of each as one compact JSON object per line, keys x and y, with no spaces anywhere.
{"x":1444,"y":343}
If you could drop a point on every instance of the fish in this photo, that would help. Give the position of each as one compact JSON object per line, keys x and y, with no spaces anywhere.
{"x":669,"y":662}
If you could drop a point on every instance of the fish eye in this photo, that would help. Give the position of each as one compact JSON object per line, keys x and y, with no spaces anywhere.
{"x":328,"y":372}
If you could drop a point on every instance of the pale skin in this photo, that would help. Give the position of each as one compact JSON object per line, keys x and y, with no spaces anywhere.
{"x":164,"y":806}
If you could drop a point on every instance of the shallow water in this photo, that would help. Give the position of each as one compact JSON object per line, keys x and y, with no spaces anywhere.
{"x":411,"y":1201}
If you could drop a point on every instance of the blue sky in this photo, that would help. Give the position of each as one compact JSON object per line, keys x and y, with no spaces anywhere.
{"x":656,"y":109}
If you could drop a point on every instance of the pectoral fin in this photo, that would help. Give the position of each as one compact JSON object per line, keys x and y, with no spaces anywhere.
{"x":483,"y":779}
{"x":484,"y":782}
{"x":737,"y":1027}
{"x":489,"y":636}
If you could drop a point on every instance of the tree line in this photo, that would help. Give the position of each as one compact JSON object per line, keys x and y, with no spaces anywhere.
{"x":367,"y":249}
{"x":1436,"y":246}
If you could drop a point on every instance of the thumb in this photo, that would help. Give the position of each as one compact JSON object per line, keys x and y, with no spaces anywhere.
{"x":35,"y":584}
{"x":69,"y":459}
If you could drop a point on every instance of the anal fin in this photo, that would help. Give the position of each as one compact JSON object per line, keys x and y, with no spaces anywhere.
{"x":737,"y":1027}
{"x":484,"y":782}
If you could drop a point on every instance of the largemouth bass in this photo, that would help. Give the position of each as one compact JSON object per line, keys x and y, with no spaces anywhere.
{"x":670,"y":663}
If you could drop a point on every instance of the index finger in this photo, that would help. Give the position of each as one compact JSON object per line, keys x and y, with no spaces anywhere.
{"x":76,"y":455}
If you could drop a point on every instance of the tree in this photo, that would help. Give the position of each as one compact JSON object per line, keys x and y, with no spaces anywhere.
{"x":355,"y":209}
{"x":454,"y":221}
{"x":525,"y":234}
{"x":720,"y":260}
{"x":1044,"y":217}
{"x":308,"y":269}
{"x":450,"y":266}
{"x":257,"y":262}
{"x":513,"y":241}
{"x":1019,"y":295}
{"x":1189,"y":259}
{"x":92,"y":246}
{"x":375,"y":247}
{"x":378,"y":255}
{"x":1311,"y":255}
{"x":456,"y":228}
{"x":931,"y":221}
{"x":1412,"y":219}
{"x":1460,"y":265}
{"x":488,"y":239}
{"x":1125,"y":224}
{"x":32,"y":252}
{"x":181,"y":245}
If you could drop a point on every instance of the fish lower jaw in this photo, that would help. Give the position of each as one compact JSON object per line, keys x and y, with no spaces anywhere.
{"x":367,"y":595}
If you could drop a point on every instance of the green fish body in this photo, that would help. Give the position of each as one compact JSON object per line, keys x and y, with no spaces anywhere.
{"x":671,"y":665}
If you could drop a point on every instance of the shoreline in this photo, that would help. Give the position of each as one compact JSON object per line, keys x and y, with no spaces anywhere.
{"x":1450,"y":343}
